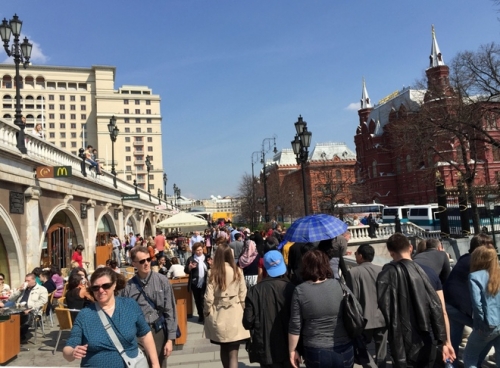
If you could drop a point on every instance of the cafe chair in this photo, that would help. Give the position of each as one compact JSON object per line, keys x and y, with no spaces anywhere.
{"x":61,"y":302}
{"x":48,"y":305}
{"x":65,"y":323}
{"x":37,"y":319}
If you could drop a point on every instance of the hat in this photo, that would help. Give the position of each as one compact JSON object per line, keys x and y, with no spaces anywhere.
{"x":274,"y":263}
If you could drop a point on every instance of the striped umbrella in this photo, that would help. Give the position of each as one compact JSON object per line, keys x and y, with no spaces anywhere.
{"x":315,"y":228}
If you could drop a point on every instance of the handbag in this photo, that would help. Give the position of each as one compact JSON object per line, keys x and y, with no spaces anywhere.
{"x":140,"y":361}
{"x":352,"y":313}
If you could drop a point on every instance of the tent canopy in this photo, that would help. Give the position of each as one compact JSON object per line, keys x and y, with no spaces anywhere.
{"x":184,"y":221}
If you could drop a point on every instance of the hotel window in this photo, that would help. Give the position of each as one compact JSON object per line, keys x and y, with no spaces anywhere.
{"x":72,"y":107}
{"x":52,"y":116}
{"x":150,"y":130}
{"x":150,"y":139}
{"x":129,"y":168}
{"x":127,"y":130}
{"x":51,"y":106}
{"x":137,"y":130}
{"x":148,"y":102}
{"x":127,"y":149}
{"x":72,"y":98}
{"x":150,"y":149}
{"x":127,"y":120}
{"x":128,"y":158}
{"x":62,"y":116}
{"x":61,"y":98}
{"x":72,"y":116}
{"x":137,"y":121}
{"x":84,"y":116}
{"x":62,"y":107}
{"x":73,"y":126}
{"x":73,"y":144}
{"x":129,"y":177}
{"x":127,"y":139}
{"x":148,"y":121}
{"x":83,"y":107}
{"x":52,"y":135}
{"x":125,"y":111}
{"x":82,"y":98}
{"x":125,"y":102}
{"x":52,"y":125}
{"x":137,"y":111}
{"x":137,"y":102}
{"x":73,"y":135}
{"x":51,"y":97}
{"x":148,"y":111}
{"x":151,"y":177}
{"x":63,"y":144}
{"x":63,"y":135}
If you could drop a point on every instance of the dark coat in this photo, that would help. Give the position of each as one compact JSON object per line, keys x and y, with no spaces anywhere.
{"x":266,"y":315}
{"x":193,"y":274}
{"x":412,"y":311}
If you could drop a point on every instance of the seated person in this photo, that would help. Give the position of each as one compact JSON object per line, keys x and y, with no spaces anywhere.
{"x":48,"y":284}
{"x":4,"y":288}
{"x":163,"y":265}
{"x":176,"y":270}
{"x":89,"y":159}
{"x":77,"y":296}
{"x":114,"y":266}
{"x":35,"y":297}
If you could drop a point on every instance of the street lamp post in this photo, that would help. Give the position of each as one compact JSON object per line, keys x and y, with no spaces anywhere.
{"x":489,"y":202}
{"x":300,"y":146}
{"x":263,"y":162}
{"x":255,"y":158}
{"x":160,"y":194}
{"x":165,"y":187}
{"x":148,"y":167}
{"x":175,"y":195}
{"x":113,"y":133}
{"x":21,"y":53}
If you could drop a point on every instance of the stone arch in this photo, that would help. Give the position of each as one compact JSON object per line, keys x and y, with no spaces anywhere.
{"x":73,"y":215}
{"x":12,"y":243}
{"x":148,"y":227}
{"x":135,"y":223}
{"x":109,"y":218}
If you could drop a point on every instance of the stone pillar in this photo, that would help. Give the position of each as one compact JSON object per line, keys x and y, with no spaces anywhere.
{"x":121,"y":223}
{"x":90,"y":227}
{"x":32,"y":227}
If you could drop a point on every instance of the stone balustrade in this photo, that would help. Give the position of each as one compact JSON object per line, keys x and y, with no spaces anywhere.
{"x":359,"y":234}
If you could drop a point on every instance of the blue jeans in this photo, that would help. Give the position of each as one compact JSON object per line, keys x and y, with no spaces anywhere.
{"x":341,"y":356}
{"x":457,"y":321}
{"x":477,"y":342}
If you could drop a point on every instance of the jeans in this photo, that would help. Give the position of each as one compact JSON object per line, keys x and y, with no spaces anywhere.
{"x":341,"y":356}
{"x":477,"y":342}
{"x":117,"y":256}
{"x":379,"y":337}
{"x":182,"y":256}
{"x":457,"y":321}
{"x":94,"y":164}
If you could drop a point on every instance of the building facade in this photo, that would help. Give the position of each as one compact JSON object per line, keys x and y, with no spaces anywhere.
{"x":75,"y":105}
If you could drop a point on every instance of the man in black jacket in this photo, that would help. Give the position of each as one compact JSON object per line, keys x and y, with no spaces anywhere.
{"x":267,"y":311}
{"x":412,"y":310}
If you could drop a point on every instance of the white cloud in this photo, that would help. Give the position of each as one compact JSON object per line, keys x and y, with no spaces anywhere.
{"x":353,"y":106}
{"x":37,"y":55}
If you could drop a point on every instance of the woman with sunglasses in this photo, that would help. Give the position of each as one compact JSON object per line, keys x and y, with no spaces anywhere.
{"x":89,"y":340}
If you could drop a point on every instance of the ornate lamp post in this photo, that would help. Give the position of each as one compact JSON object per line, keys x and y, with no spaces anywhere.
{"x":266,"y":147}
{"x":113,"y":133}
{"x":148,"y":167}
{"x":165,"y":187}
{"x":21,"y":53}
{"x":489,"y":203}
{"x":300,"y":146}
{"x":175,"y":195}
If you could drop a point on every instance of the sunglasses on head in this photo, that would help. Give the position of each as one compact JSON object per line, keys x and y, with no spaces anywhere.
{"x":142,"y":261}
{"x":106,"y":286}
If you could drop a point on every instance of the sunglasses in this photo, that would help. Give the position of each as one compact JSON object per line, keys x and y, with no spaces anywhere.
{"x":142,"y":261}
{"x":106,"y":286}
{"x":1,"y":279}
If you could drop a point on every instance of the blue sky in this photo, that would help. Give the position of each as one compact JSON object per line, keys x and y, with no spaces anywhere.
{"x":231,"y":73}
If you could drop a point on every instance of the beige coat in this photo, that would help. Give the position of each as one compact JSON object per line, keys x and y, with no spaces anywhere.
{"x":224,"y":310}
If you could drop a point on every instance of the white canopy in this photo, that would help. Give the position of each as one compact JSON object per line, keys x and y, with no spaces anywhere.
{"x":185,"y":221}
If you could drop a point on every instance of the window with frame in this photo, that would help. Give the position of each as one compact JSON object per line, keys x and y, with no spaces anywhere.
{"x":83,"y":107}
{"x":125,"y":101}
{"x":73,"y":144}
{"x":151,"y":177}
{"x":137,"y":121}
{"x":137,"y":102}
{"x":151,"y":186}
{"x":62,"y":135}
{"x":128,"y":158}
{"x":148,"y":121}
{"x":127,"y":120}
{"x":61,"y":97}
{"x":150,"y":139}
{"x":150,"y":149}
{"x":84,"y":116}
{"x":138,"y":139}
{"x":137,"y":130}
{"x":148,"y":102}
{"x":150,"y":130}
{"x":51,"y":106}
{"x":72,"y":107}
{"x":137,"y":111}
{"x":129,"y":177}
{"x":73,"y":135}
{"x":127,"y":139}
{"x":62,"y":116}
{"x":52,"y":135}
{"x":496,"y":153}
{"x":72,"y":98}
{"x":127,"y":130}
{"x":72,"y":116}
{"x":52,"y":116}
{"x":63,"y":144}
{"x":148,"y":111}
{"x":128,"y":168}
{"x":83,"y":98}
{"x":127,"y":149}
{"x":62,"y":126}
{"x":62,"y":107}
{"x":51,"y":97}
{"x":125,"y":111}
{"x":73,"y":126}
{"x":52,"y":125}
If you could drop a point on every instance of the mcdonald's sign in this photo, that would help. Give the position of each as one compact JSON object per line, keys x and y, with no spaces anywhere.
{"x":47,"y":172}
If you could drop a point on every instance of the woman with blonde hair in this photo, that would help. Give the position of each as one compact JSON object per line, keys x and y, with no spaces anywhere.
{"x":38,"y":130}
{"x":224,"y":305}
{"x":484,"y":285}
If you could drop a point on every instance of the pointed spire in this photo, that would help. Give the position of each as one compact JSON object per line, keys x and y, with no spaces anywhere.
{"x":436,"y":59}
{"x":365,"y":99}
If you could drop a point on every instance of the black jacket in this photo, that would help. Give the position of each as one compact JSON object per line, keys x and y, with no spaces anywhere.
{"x":266,"y":315}
{"x":411,"y":308}
{"x":193,"y":274}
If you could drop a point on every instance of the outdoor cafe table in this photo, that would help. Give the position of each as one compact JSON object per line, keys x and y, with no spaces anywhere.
{"x":10,"y":333}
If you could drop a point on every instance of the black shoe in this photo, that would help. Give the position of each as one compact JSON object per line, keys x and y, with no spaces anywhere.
{"x":201,"y":320}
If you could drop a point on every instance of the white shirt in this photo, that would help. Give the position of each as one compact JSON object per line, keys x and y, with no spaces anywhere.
{"x":176,"y":270}
{"x":195,"y":239}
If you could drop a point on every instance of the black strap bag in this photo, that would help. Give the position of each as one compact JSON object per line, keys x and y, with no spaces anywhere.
{"x":352,"y":313}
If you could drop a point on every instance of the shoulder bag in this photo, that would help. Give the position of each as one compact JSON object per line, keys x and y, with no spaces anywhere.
{"x":352,"y":313}
{"x":140,"y":361}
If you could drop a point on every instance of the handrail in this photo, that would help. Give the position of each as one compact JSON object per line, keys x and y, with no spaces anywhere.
{"x":384,"y":231}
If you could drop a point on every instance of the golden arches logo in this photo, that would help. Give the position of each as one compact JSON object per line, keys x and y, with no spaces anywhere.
{"x":62,"y":171}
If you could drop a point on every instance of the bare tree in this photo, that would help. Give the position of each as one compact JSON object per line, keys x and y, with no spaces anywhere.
{"x":333,"y":187}
{"x":246,"y":189}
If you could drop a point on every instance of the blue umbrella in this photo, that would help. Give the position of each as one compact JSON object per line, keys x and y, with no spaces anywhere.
{"x":315,"y":228}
